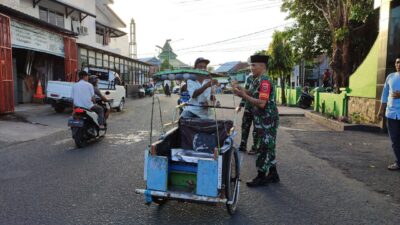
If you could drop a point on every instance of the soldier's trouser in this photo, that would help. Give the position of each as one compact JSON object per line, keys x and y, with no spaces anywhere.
{"x":247,"y":120}
{"x":265,"y":143}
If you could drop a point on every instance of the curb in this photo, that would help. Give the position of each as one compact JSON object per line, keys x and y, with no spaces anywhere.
{"x":292,"y":114}
{"x":334,"y":125}
{"x":339,"y":126}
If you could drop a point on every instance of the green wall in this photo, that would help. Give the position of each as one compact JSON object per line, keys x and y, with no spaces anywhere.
{"x":331,"y":104}
{"x":363,"y":80}
{"x":292,"y":95}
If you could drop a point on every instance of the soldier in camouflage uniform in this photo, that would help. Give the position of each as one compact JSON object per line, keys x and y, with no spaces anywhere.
{"x":247,"y":119}
{"x":261,"y":95}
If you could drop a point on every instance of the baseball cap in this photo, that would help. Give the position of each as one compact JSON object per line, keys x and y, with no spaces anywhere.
{"x":201,"y":59}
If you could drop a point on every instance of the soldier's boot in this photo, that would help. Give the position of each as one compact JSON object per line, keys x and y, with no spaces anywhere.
{"x":252,"y":151}
{"x":273,"y":176}
{"x":242,"y":148}
{"x":259,"y":180}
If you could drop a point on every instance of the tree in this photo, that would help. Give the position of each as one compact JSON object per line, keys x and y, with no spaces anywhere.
{"x":166,"y":66}
{"x":342,"y":18}
{"x":281,"y":59}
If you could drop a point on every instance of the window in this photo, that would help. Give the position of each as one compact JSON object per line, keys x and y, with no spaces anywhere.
{"x":105,"y":61}
{"x":83,"y":57}
{"x":102,"y":35}
{"x":51,"y":17}
{"x":92,"y":58}
{"x":99,"y":38}
{"x":99,"y":60}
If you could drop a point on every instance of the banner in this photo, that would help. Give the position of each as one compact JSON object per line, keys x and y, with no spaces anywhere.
{"x":37,"y":39}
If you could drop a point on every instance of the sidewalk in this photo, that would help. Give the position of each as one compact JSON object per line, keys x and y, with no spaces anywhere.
{"x":291,"y":111}
{"x":360,"y":155}
{"x":29,"y":122}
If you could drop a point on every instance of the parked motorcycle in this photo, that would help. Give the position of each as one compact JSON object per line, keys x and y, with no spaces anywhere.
{"x":85,"y":127}
{"x":305,"y":100}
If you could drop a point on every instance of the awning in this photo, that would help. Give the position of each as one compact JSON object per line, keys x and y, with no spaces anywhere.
{"x":69,"y":9}
{"x":114,"y":33}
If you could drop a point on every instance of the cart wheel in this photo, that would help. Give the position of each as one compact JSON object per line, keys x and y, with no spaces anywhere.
{"x":232,"y":180}
{"x":159,"y":201}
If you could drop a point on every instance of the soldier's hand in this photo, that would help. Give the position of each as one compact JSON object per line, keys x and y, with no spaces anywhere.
{"x":235,"y":84}
{"x":239,"y":92}
{"x":238,"y":109}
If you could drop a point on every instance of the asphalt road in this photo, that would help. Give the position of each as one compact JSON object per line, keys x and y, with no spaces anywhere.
{"x":48,"y":181}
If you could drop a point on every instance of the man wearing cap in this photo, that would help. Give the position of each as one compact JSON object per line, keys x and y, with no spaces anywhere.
{"x":199,"y":91}
{"x":247,"y":119}
{"x":261,"y":96}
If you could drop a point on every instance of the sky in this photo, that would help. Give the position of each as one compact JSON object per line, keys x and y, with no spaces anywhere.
{"x":219,"y":30}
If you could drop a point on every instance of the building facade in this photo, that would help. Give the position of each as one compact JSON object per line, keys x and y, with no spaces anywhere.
{"x":54,"y":39}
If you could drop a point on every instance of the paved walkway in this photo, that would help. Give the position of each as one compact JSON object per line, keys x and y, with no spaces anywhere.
{"x":291,"y":111}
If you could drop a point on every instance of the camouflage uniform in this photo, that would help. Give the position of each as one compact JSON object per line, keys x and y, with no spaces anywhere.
{"x":265,"y":123}
{"x":247,"y":119}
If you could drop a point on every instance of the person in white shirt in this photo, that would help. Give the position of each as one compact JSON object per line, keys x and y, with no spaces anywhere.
{"x":200,"y":92}
{"x":84,"y":97}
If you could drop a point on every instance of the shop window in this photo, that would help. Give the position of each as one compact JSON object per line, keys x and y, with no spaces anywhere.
{"x":112,"y":62}
{"x":105,"y":61}
{"x":99,"y":60}
{"x":51,"y":17}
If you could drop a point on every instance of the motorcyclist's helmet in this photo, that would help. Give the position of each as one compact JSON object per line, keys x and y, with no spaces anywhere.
{"x":93,"y":79}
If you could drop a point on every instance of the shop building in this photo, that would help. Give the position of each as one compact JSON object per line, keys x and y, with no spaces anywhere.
{"x":54,"y":39}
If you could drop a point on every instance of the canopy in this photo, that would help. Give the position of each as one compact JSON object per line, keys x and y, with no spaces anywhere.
{"x":183,"y":74}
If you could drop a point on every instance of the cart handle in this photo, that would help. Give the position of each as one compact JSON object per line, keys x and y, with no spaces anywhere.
{"x":205,"y":106}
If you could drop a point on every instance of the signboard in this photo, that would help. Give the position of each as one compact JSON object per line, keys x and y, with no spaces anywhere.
{"x":37,"y":39}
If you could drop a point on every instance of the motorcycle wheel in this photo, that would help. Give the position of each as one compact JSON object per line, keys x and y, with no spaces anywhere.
{"x":79,"y":138}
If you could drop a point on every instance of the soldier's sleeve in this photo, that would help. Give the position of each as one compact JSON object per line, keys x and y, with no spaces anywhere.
{"x":265,"y":90}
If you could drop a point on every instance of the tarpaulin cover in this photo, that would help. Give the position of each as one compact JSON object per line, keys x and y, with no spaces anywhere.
{"x":201,"y":134}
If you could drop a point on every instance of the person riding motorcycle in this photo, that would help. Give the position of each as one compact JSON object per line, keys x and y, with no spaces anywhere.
{"x":93,"y":79}
{"x":83,"y":97}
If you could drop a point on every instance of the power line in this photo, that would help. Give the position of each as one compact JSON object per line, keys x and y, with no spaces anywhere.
{"x":234,"y":38}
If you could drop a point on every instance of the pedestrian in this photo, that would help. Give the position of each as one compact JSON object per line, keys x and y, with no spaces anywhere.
{"x":326,"y":79}
{"x":247,"y":119}
{"x":167,"y":90}
{"x":261,"y":96}
{"x":390,"y":107}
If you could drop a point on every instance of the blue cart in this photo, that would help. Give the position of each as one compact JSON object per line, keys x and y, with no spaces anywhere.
{"x":193,"y":162}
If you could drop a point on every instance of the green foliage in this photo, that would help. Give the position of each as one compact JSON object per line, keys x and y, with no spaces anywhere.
{"x":281,"y":60}
{"x":166,"y":66}
{"x":281,"y":55}
{"x":319,"y":23}
{"x":342,"y":33}
{"x":310,"y":34}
